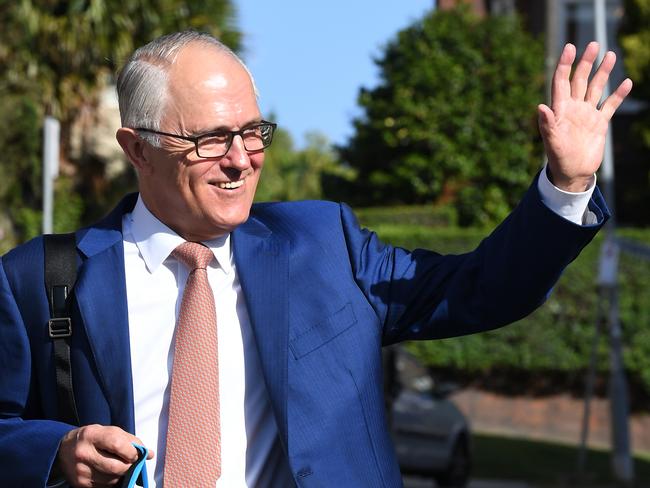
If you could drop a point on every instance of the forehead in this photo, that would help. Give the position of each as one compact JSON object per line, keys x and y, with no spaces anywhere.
{"x":208,"y":88}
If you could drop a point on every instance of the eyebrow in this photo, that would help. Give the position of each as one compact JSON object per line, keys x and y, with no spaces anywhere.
{"x":224,"y":128}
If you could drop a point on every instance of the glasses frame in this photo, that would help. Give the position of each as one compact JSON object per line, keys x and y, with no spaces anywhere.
{"x":231,"y":137}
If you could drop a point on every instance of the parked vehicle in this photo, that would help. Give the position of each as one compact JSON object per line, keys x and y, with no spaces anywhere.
{"x":431,"y":436}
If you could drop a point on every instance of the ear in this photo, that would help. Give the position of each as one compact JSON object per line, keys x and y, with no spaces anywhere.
{"x":135,"y":148}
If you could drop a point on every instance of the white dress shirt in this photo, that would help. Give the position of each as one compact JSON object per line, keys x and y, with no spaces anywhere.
{"x":250,"y":451}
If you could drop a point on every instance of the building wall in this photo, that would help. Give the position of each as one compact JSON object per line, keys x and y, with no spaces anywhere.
{"x":479,"y":6}
{"x":555,"y":418}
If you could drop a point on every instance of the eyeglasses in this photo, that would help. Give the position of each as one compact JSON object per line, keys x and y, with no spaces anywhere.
{"x":216,"y":144}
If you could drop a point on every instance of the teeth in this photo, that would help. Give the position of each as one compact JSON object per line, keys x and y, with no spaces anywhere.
{"x":231,"y":184}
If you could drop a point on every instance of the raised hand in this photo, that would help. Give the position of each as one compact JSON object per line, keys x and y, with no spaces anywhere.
{"x":575,"y":126}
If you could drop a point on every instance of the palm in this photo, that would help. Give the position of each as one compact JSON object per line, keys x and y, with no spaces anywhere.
{"x":576,"y":141}
{"x":574,"y":128}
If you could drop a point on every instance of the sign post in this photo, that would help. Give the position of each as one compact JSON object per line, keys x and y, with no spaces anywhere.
{"x":51,"y":136}
{"x":622,"y":463}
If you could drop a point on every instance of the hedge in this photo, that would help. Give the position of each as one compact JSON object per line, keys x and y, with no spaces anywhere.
{"x":557,"y":338}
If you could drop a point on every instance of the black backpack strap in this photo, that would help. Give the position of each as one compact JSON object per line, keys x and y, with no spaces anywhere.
{"x":60,"y":277}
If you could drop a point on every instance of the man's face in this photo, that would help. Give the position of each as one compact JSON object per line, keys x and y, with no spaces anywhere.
{"x":203,"y":198}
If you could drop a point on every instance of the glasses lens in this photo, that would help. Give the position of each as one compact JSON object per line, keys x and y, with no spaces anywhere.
{"x":213,"y":145}
{"x":216,"y":145}
{"x":258,"y":137}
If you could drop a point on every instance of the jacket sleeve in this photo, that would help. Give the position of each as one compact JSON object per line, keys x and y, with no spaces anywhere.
{"x":28,"y":448}
{"x":425,"y":295}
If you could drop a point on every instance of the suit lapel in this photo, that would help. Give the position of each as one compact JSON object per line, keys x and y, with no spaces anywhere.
{"x":262,"y":261}
{"x":101,"y":296}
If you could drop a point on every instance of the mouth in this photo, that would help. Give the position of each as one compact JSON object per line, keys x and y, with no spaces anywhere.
{"x":228,"y":185}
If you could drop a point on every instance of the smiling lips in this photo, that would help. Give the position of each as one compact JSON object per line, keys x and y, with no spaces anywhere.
{"x":230,"y":185}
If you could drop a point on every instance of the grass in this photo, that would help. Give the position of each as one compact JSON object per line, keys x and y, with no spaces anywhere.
{"x":545,"y":463}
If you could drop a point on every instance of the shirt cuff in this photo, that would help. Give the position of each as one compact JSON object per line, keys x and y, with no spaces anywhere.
{"x":571,"y":206}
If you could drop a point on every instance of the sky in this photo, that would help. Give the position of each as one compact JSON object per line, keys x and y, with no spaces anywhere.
{"x":309,"y":59}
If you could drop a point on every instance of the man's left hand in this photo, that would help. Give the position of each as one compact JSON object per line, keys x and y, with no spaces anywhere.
{"x":574,"y":128}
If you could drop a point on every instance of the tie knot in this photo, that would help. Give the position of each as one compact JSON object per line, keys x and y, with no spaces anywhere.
{"x":193,"y":255}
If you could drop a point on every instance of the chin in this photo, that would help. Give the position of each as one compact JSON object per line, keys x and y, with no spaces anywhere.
{"x":232,"y":221}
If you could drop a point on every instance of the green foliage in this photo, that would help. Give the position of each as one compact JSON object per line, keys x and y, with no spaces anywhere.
{"x":67,"y":47}
{"x":55,"y":57}
{"x":67,"y":212}
{"x":21,"y":172}
{"x":291,"y":174}
{"x":20,"y":165}
{"x":421,"y":215}
{"x":453,"y":118}
{"x":635,"y":41}
{"x":556,"y":338}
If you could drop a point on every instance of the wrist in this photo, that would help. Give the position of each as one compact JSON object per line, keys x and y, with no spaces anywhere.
{"x":577,"y":184}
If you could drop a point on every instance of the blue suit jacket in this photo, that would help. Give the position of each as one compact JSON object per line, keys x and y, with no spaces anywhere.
{"x":323,"y":297}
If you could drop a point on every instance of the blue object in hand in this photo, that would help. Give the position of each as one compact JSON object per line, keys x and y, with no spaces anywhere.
{"x":138,"y":470}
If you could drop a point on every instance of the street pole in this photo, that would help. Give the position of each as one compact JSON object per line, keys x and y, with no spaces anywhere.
{"x":622,"y":464}
{"x":552,"y":48}
{"x":51,"y":136}
{"x":590,"y":385}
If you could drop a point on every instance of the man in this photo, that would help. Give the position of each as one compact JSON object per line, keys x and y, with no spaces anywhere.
{"x":304,"y":299}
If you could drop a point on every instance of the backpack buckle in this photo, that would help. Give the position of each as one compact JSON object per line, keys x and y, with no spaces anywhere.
{"x":60,"y":328}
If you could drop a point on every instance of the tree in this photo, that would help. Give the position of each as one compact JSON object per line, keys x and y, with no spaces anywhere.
{"x":297,"y":174}
{"x":632,"y":130}
{"x":55,"y":57}
{"x":453,"y":117}
{"x":68,"y":47}
{"x":20,"y":180}
{"x":635,"y":40}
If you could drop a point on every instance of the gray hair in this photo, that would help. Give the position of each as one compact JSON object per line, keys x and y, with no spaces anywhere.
{"x":142,"y":84}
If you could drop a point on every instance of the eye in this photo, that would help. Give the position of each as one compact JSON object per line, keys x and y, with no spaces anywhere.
{"x":215,"y":137}
{"x":264,"y":131}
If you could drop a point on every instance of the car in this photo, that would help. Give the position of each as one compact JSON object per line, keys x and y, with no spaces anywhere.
{"x":431,"y":435}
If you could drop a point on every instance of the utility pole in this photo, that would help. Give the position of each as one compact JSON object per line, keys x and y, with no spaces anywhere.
{"x":51,"y":136}
{"x":552,"y":48}
{"x":622,"y":464}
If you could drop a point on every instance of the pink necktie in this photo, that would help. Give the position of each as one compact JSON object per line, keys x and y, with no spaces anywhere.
{"x":193,"y":454}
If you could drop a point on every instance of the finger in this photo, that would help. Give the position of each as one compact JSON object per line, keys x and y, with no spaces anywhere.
{"x":116,"y":441}
{"x":583,"y":70}
{"x":150,"y":452}
{"x":611,"y":104}
{"x":561,"y":87}
{"x":546,"y":118}
{"x":107,"y":464}
{"x":597,"y":84}
{"x":97,"y":465}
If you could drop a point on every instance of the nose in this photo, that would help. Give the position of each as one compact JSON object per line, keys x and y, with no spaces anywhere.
{"x":237,"y":156}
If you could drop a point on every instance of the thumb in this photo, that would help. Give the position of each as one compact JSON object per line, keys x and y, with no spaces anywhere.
{"x":546,"y":118}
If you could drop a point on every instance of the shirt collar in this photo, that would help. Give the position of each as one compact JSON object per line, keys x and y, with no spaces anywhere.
{"x":156,"y":241}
